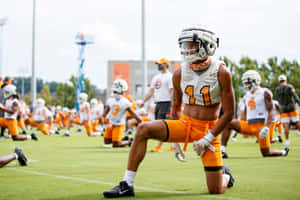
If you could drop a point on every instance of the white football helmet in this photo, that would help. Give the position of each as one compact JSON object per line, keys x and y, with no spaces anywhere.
{"x":197,"y":43}
{"x":119,"y":85}
{"x":82,"y":97}
{"x":251,"y":80}
{"x":9,"y":90}
{"x":94,"y":102}
{"x":58,"y":108}
{"x":40,"y":102}
{"x":65,"y":109}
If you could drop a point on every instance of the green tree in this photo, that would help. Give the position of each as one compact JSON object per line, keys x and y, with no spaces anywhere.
{"x":45,"y":94}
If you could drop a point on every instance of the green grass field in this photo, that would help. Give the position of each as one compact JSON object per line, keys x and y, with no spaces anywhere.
{"x":77,"y":168}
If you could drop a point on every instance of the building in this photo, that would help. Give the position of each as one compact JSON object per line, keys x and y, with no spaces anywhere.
{"x":132,"y":72}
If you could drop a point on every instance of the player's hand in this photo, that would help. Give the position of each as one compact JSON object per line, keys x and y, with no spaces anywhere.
{"x":178,"y":153}
{"x":263,"y":132}
{"x":201,"y":145}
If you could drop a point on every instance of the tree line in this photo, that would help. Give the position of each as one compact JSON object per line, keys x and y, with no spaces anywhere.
{"x":64,"y":93}
{"x":57,"y":93}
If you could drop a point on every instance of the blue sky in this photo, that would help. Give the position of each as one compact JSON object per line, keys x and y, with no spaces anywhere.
{"x":258,"y":29}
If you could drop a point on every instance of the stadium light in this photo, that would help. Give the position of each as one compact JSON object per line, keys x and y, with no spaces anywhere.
{"x":144,"y":61}
{"x":81,"y":40}
{"x":33,"y":78}
{"x":2,"y":24}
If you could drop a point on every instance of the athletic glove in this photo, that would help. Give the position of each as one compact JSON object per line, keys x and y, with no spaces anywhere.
{"x":178,"y":153}
{"x":263,"y":132}
{"x":201,"y":145}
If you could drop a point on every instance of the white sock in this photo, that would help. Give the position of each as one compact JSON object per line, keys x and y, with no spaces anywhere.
{"x":226,"y":177}
{"x":67,"y":132}
{"x":16,"y":156}
{"x":129,"y":177}
{"x":283,"y":152}
{"x":223,"y":148}
{"x":28,"y":137}
{"x":287,"y":142}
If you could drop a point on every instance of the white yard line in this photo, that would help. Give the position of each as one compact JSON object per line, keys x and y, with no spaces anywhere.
{"x":113,"y":184}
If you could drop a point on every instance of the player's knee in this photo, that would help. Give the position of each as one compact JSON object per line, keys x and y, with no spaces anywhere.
{"x":142,"y":130}
{"x":14,"y":137}
{"x":216,"y":190}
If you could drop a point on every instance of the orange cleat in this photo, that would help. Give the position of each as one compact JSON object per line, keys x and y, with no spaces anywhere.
{"x":157,"y":149}
{"x":171,"y":148}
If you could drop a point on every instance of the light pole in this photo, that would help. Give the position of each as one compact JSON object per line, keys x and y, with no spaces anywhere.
{"x":144,"y":61}
{"x":33,"y":78}
{"x":2,"y":23}
{"x":81,"y":40}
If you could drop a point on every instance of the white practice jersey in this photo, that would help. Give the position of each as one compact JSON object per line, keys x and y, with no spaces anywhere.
{"x":117,"y":110}
{"x":256,"y":106}
{"x":201,"y":89}
{"x":39,"y":114}
{"x":83,"y":112}
{"x":49,"y":113}
{"x":162,"y":83}
{"x":94,"y":112}
{"x":8,"y":105}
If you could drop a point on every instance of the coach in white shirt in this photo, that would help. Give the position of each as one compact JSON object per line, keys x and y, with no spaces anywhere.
{"x":162,"y":89}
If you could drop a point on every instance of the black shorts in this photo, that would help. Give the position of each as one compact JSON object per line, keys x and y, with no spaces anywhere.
{"x":162,"y":109}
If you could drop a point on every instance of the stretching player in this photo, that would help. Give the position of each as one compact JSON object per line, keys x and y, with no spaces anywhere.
{"x":258,"y":114}
{"x":202,"y":84}
{"x":117,"y":107}
{"x":10,"y":114}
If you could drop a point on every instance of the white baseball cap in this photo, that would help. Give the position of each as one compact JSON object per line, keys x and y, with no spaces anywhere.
{"x":282,"y":78}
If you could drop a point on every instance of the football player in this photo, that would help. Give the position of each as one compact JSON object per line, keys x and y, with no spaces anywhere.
{"x":258,"y":114}
{"x":116,"y":108}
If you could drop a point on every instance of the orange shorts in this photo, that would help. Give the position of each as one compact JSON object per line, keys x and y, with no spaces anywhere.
{"x":41,"y":126}
{"x":114,"y":133}
{"x":253,"y":130}
{"x":95,"y":126}
{"x":187,"y":130}
{"x":11,"y":124}
{"x":290,"y":116}
{"x":86,"y":124}
{"x":272,"y":129}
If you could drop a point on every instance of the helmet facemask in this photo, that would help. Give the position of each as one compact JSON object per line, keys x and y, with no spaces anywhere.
{"x":197,"y":44}
{"x":251,"y":80}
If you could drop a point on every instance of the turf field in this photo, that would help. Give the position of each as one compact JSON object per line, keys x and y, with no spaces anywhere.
{"x":77,"y":168}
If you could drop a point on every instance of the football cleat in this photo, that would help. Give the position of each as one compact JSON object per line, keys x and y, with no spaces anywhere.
{"x":23,"y":132}
{"x":122,"y":190}
{"x":157,"y":149}
{"x":21,"y":157}
{"x":286,"y":149}
{"x":279,"y":139}
{"x":125,"y":138}
{"x":130,"y":142}
{"x":231,"y":179}
{"x":224,"y":155}
{"x":66,"y":135}
{"x":34,"y":137}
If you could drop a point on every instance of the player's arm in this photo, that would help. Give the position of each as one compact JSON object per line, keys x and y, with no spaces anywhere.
{"x":295,"y":96}
{"x":88,"y":111}
{"x":177,"y":95}
{"x":228,"y":100}
{"x":106,"y":110}
{"x":133,"y":113}
{"x":14,"y":108}
{"x":269,"y":106}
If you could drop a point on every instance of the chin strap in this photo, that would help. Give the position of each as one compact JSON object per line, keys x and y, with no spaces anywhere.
{"x":200,"y":66}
